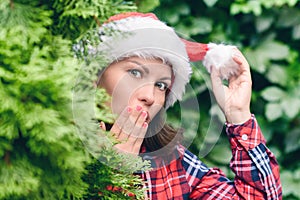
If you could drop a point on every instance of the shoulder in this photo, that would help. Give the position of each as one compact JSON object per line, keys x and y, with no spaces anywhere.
{"x":197,"y":172}
{"x":192,"y":164}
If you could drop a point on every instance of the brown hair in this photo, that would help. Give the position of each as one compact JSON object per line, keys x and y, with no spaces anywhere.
{"x":162,"y":135}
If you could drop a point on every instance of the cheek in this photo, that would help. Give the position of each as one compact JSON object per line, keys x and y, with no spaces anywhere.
{"x":120,"y":99}
{"x":159,"y":104}
{"x":122,"y":94}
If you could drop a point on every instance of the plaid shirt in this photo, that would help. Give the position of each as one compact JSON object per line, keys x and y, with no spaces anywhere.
{"x":186,"y":177}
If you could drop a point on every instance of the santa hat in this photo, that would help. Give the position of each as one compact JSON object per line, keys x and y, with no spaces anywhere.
{"x":144,"y":35}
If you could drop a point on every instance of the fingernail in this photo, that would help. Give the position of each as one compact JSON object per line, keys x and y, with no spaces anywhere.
{"x":145,"y":125}
{"x":138,"y":108}
{"x":144,"y":114}
{"x":129,"y":109}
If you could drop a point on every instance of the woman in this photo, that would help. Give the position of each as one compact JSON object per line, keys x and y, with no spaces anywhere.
{"x":149,"y":68}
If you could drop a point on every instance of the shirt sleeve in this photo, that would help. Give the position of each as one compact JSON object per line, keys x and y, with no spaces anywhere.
{"x":254,"y":165}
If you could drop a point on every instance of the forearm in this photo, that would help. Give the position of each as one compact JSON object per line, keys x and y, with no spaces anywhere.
{"x":254,"y":165}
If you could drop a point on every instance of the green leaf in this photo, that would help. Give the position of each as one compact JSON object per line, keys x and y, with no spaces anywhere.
{"x":147,"y":5}
{"x":291,"y":106}
{"x":290,"y":182}
{"x":274,"y":50}
{"x":263,"y":23}
{"x":273,"y":111}
{"x":257,"y":62}
{"x":277,"y":74}
{"x":173,"y":17}
{"x":210,"y":3}
{"x":296,"y":32}
{"x":268,"y":50}
{"x":196,"y":26}
{"x":273,"y":93}
{"x":292,"y":140}
{"x":184,"y":9}
{"x":288,"y":17}
{"x":246,"y":7}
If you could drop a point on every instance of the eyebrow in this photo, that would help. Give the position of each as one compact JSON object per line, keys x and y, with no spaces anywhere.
{"x":147,"y":70}
{"x":141,"y":65}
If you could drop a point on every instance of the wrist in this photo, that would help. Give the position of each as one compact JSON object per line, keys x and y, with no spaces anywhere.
{"x":238,"y":117}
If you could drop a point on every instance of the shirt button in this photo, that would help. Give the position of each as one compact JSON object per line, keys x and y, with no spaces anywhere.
{"x":244,"y":137}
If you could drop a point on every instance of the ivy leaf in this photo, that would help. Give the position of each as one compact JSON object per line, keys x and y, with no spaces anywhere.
{"x":196,"y":26}
{"x":147,"y":5}
{"x":173,"y":17}
{"x":296,"y":32}
{"x":263,"y":23}
{"x":246,"y":7}
{"x":273,"y":111}
{"x":291,"y":106}
{"x":292,"y":140}
{"x":277,"y":74}
{"x":273,"y":93}
{"x":210,"y":3}
{"x":257,"y":62}
{"x":268,"y":50}
{"x":288,"y":18}
{"x":183,"y":9}
{"x":274,"y":50}
{"x":290,"y":182}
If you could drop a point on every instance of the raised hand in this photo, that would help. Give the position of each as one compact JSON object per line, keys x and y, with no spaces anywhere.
{"x":234,"y":99}
{"x":129,"y":129}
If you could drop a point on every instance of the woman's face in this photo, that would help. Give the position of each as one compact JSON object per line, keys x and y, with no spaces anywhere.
{"x":137,"y":82}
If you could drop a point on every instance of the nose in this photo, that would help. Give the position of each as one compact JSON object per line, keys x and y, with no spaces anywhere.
{"x":146,"y":94}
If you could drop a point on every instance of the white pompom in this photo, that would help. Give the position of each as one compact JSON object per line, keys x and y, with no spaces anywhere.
{"x":220,"y":56}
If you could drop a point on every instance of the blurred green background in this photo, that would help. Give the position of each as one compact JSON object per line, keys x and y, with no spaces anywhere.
{"x":41,"y":152}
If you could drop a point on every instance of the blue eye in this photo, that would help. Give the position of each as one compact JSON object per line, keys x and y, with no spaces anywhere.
{"x":136,"y":73}
{"x":162,"y":86}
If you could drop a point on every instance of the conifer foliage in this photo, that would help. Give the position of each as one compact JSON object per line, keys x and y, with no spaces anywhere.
{"x":45,"y":153}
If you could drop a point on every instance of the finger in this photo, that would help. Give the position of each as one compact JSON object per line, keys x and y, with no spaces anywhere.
{"x":244,"y":75}
{"x":137,"y":137}
{"x":131,"y":120}
{"x":121,"y":120}
{"x":141,"y":119}
{"x":137,"y":145}
{"x":135,"y":131}
{"x":240,"y":59}
{"x":102,"y":126}
{"x":136,"y":113}
{"x":134,"y":142}
{"x":123,"y":137}
{"x":123,"y":117}
{"x":127,"y":130}
{"x":139,"y":131}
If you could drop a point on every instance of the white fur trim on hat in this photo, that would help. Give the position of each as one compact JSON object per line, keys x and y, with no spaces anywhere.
{"x":220,"y":56}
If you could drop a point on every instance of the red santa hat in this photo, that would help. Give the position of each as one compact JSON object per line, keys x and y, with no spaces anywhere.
{"x":144,"y":35}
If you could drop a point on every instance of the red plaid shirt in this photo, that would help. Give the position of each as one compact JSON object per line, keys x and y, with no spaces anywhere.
{"x":186,"y":177}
